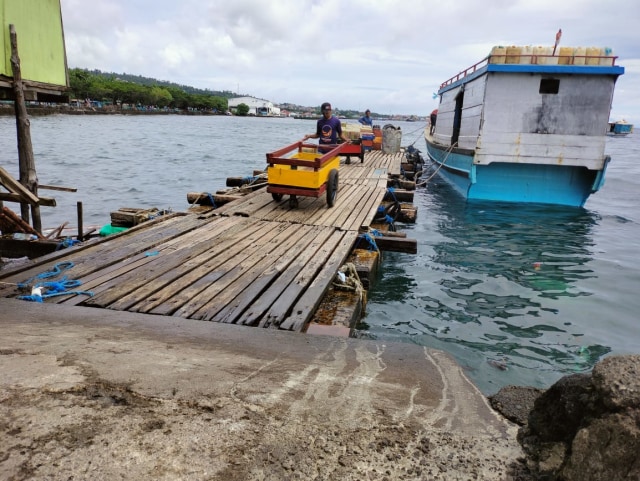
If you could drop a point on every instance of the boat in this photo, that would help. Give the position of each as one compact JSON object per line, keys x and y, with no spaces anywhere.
{"x":620,"y":128}
{"x":526,"y":124}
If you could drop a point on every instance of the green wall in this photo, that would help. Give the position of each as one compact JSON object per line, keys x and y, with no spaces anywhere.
{"x":38,"y":25}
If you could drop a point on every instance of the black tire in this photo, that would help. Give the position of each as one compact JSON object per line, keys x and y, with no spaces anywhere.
{"x":276,"y":197}
{"x":293,"y":202}
{"x":332,"y":187}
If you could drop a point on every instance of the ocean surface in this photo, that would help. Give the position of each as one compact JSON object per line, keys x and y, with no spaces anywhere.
{"x":518,"y":295}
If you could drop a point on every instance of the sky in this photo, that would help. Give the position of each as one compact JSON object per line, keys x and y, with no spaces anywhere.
{"x":389,"y":56}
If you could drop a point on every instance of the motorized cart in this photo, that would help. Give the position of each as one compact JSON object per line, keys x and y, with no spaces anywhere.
{"x":300,"y":169}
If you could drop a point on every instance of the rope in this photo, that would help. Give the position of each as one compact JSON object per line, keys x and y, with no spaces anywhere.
{"x":68,"y":242}
{"x":420,"y":129}
{"x":51,"y":288}
{"x":371,"y":243}
{"x":449,"y":150}
{"x":347,"y":279}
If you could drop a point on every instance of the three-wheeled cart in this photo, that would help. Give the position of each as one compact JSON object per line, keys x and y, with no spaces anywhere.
{"x":300,"y":169}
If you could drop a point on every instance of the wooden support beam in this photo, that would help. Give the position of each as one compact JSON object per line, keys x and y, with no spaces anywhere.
{"x":16,"y":187}
{"x":28,"y":176}
{"x":58,"y":187}
{"x":46,"y":201}
{"x":396,"y":244}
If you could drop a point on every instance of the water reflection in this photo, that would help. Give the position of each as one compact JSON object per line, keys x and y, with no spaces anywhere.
{"x":501,"y":288}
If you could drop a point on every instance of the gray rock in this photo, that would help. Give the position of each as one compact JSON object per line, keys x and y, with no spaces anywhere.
{"x":587,"y":427}
{"x":515,"y":402}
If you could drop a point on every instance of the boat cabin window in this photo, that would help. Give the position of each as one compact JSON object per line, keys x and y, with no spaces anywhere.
{"x":549,"y":85}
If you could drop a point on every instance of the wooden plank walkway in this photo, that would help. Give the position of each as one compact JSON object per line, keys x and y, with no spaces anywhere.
{"x":253,"y":261}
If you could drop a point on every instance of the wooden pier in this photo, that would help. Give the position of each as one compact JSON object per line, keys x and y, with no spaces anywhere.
{"x":253,"y":261}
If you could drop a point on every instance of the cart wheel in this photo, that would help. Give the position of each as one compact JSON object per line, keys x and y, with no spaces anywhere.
{"x":276,"y":197}
{"x":348,"y":161}
{"x":332,"y":187}
{"x":293,"y":202}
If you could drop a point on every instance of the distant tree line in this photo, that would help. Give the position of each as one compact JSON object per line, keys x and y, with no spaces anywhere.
{"x":119,"y":89}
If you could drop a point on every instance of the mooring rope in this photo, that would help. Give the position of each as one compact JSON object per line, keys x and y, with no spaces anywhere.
{"x":448,"y":151}
{"x":45,"y":289}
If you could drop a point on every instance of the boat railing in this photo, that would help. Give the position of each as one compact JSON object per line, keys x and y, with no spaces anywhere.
{"x":535,"y":59}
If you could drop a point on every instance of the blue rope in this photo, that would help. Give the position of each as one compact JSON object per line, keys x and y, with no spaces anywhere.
{"x":53,"y":288}
{"x":390,"y":193}
{"x":68,"y":242}
{"x":213,"y":202}
{"x":371,"y":243}
{"x":57,"y":269}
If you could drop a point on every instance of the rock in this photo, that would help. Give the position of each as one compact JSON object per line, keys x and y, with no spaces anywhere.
{"x":515,"y":402}
{"x":586,"y":427}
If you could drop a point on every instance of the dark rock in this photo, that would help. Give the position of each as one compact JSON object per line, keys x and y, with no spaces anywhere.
{"x":515,"y":402}
{"x":587,"y":427}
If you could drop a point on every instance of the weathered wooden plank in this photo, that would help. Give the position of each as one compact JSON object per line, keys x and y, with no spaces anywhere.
{"x":248,"y":271}
{"x":100,"y":280}
{"x":266,"y":273}
{"x":264,"y":291}
{"x":183,"y":298}
{"x":46,"y":201}
{"x":125,"y":291}
{"x":396,"y":244}
{"x":296,"y":307}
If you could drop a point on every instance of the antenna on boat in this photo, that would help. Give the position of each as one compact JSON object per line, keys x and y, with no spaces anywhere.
{"x":558,"y":35}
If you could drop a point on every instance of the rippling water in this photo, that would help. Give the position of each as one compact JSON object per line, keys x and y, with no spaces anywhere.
{"x":518,"y":295}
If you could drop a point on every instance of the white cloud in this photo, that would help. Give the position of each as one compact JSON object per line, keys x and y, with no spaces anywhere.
{"x":387,"y":55}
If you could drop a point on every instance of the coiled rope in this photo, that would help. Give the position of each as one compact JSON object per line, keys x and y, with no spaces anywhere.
{"x":45,"y":289}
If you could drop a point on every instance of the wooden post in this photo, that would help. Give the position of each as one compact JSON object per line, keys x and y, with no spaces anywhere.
{"x":28,"y":176}
{"x":80,"y":226}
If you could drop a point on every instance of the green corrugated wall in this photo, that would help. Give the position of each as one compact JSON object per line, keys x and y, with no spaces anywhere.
{"x":41,"y":49}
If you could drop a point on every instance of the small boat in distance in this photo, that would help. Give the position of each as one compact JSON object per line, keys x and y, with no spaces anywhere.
{"x":526,"y":124}
{"x":619,"y":128}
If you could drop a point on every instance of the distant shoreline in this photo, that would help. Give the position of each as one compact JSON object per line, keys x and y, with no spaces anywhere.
{"x":42,"y":111}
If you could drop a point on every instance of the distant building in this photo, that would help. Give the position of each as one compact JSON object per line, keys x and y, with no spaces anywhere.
{"x":257,"y":107}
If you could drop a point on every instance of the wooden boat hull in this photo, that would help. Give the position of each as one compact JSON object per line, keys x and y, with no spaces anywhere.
{"x":515,"y":182}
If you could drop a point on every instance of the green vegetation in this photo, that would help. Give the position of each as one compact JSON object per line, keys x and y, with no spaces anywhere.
{"x":242,"y":110}
{"x":120,"y":89}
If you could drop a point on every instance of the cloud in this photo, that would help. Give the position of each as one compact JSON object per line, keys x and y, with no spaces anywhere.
{"x":387,"y":55}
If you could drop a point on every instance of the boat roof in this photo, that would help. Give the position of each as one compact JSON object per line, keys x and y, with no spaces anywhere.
{"x":484,"y":66}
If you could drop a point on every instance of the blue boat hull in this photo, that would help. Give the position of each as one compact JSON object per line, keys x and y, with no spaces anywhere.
{"x":515,"y":182}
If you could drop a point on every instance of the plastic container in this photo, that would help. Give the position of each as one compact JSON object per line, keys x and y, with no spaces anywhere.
{"x":607,"y":58}
{"x":565,"y":56}
{"x":578,"y":55}
{"x":24,"y":236}
{"x":391,"y":138}
{"x":538,"y":55}
{"x":551,"y":59}
{"x":513,"y":54}
{"x":527,"y":54}
{"x":593,"y":54}
{"x":498,"y":55}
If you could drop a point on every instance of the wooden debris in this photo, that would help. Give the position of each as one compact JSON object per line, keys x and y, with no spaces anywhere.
{"x":129,"y":217}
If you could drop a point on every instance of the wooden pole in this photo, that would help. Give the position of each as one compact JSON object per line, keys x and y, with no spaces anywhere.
{"x":28,"y":176}
{"x":80,"y":224}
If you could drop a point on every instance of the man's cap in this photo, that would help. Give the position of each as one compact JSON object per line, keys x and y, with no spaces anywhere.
{"x":325,"y":106}
{"x":367,"y":111}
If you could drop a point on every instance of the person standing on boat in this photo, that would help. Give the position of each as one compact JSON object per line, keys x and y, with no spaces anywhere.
{"x":432,"y":118}
{"x":366,"y":119}
{"x":328,"y":130}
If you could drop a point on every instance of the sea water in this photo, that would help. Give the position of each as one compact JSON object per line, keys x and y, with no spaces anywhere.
{"x":517,"y":294}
